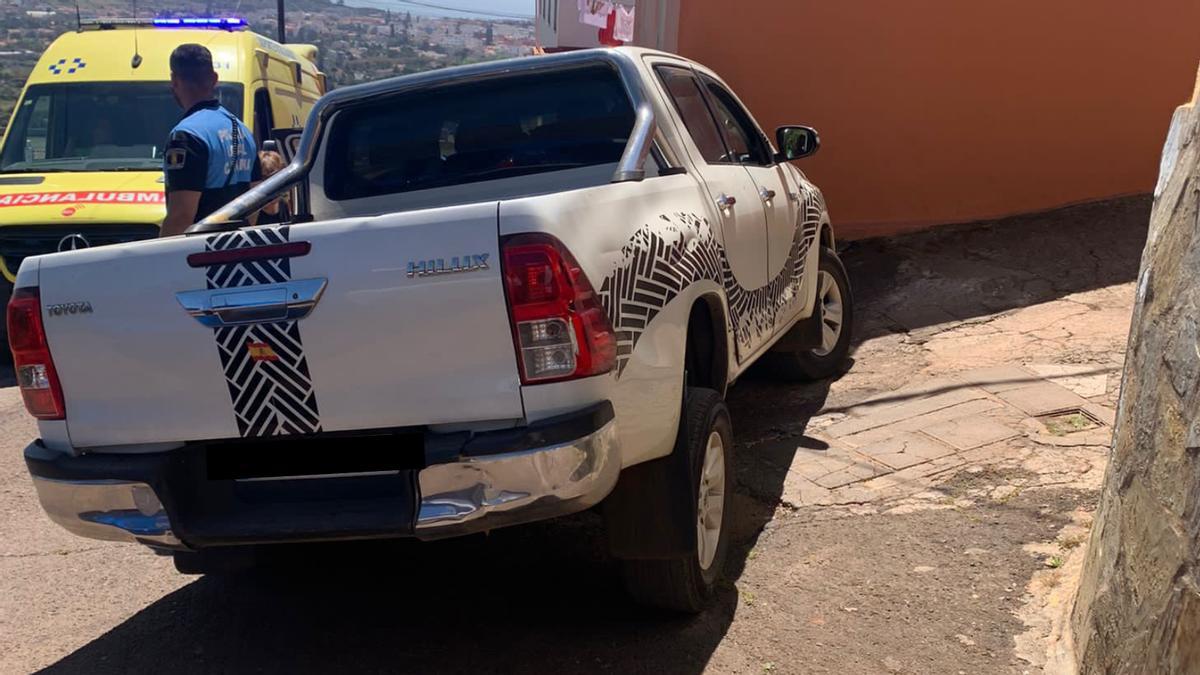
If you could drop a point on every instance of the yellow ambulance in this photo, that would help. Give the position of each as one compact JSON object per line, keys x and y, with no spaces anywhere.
{"x":81,"y":161}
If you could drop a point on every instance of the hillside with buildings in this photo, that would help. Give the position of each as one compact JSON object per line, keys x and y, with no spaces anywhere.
{"x":356,"y":44}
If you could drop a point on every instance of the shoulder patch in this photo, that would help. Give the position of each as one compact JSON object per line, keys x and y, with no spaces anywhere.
{"x":176,"y":158}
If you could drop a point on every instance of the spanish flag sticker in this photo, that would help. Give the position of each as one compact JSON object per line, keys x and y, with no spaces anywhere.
{"x":261,"y":351}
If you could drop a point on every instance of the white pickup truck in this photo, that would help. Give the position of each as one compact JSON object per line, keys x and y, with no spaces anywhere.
{"x":511,"y":291}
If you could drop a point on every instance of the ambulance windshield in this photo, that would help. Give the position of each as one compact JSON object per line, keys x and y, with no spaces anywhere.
{"x":96,"y":126}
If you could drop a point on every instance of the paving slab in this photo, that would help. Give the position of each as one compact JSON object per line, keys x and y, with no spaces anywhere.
{"x":1102,"y":413}
{"x":1081,"y":379}
{"x":813,"y":468}
{"x":968,"y":433}
{"x":837,"y":470}
{"x":908,"y":392}
{"x":919,"y":406}
{"x":852,"y":474}
{"x":919,"y":422}
{"x":853,"y":494}
{"x":991,"y":454}
{"x":1043,"y":398}
{"x":905,"y":450}
{"x":998,"y":378}
{"x":800,"y":491}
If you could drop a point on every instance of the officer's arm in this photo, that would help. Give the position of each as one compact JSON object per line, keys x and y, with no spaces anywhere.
{"x":256,"y":177}
{"x":181,"y":212}
{"x":185,"y":165}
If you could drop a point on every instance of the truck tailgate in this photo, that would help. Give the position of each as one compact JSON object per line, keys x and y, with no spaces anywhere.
{"x":379,"y":349}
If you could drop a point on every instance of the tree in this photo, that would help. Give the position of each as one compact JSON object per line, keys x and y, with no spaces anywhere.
{"x":1138,"y":606}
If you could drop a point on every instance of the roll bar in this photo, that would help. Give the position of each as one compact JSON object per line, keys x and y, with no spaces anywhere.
{"x":631,"y":166}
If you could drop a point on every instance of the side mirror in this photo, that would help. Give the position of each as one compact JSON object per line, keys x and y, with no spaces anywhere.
{"x":796,"y":142}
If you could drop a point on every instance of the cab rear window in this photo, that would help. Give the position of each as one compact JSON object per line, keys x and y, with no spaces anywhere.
{"x":478,"y":131}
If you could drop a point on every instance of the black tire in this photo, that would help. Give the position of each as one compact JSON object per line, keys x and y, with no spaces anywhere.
{"x":215,"y":561}
{"x":814,"y":364}
{"x":682,"y":584}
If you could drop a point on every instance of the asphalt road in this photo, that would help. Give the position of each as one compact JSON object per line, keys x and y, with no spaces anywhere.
{"x":543,"y":598}
{"x":805,"y":591}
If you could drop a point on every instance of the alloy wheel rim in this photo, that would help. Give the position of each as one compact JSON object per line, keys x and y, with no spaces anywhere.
{"x":829,"y":296}
{"x":710,"y":512}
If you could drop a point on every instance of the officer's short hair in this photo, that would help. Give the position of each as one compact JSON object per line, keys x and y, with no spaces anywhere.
{"x":192,"y":63}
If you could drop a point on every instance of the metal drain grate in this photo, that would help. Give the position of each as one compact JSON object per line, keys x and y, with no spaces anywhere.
{"x":1071,"y":421}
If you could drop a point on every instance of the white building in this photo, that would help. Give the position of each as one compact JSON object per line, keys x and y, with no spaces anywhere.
{"x":558,"y":27}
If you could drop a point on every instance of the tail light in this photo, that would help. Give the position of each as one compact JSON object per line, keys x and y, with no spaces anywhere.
{"x":559,"y":326}
{"x":31,"y":356}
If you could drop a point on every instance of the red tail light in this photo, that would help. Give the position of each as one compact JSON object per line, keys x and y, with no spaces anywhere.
{"x":31,"y":356}
{"x":559,"y":326}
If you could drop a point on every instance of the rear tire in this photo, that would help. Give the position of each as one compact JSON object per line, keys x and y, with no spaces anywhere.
{"x":686,"y":584}
{"x":215,"y":561}
{"x":836,"y":304}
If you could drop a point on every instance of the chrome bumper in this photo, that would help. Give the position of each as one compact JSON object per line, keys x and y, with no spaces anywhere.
{"x":473,"y":494}
{"x":107,"y":510}
{"x":483,"y":493}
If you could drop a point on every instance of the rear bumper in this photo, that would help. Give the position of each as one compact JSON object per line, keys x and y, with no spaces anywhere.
{"x":468,"y":485}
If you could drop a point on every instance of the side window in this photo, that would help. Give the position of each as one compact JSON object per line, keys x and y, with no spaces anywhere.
{"x":685,"y":92}
{"x":740,"y":133}
{"x":264,"y":119}
{"x":37,"y":135}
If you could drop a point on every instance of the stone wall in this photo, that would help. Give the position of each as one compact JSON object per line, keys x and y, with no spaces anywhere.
{"x":1138,"y":607}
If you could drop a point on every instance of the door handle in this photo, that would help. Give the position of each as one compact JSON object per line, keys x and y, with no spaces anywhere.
{"x":289,"y":301}
{"x":726,"y":202}
{"x":767,"y":195}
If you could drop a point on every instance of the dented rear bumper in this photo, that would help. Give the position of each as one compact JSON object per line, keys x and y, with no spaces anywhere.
{"x":465,"y":483}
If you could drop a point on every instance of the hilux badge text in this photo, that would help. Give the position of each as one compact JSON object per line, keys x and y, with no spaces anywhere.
{"x":466,"y":263}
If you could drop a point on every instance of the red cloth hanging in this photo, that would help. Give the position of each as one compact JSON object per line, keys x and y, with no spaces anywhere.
{"x":606,"y":33}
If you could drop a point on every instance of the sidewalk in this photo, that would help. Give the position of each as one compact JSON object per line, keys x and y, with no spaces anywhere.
{"x":927,"y":519}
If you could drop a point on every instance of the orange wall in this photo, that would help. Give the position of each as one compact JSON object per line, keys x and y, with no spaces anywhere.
{"x":937,"y":111}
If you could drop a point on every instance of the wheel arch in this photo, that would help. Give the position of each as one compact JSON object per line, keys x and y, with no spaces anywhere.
{"x":706,"y":360}
{"x":827,"y":240}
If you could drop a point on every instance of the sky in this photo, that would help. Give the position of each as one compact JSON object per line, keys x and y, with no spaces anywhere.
{"x":518,"y":7}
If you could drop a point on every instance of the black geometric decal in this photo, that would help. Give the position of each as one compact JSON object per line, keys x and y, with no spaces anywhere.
{"x":663,"y":259}
{"x":265,"y":367}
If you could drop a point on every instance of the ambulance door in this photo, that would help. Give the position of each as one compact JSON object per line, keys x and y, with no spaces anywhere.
{"x":264,"y":114}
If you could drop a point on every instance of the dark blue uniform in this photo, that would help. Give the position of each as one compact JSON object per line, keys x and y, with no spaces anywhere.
{"x":211,"y":152}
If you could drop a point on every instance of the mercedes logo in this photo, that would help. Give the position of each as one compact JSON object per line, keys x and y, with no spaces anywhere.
{"x":73,"y":242}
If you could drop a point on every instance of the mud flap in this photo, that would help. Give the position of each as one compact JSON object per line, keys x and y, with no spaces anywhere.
{"x":651,"y":513}
{"x":804,"y":335}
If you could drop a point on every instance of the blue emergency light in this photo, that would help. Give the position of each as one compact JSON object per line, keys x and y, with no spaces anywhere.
{"x":225,"y":22}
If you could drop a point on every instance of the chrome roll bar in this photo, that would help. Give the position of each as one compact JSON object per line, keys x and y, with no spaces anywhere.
{"x":631,"y":166}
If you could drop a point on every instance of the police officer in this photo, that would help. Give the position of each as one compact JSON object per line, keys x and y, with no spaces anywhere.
{"x":211,"y":158}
